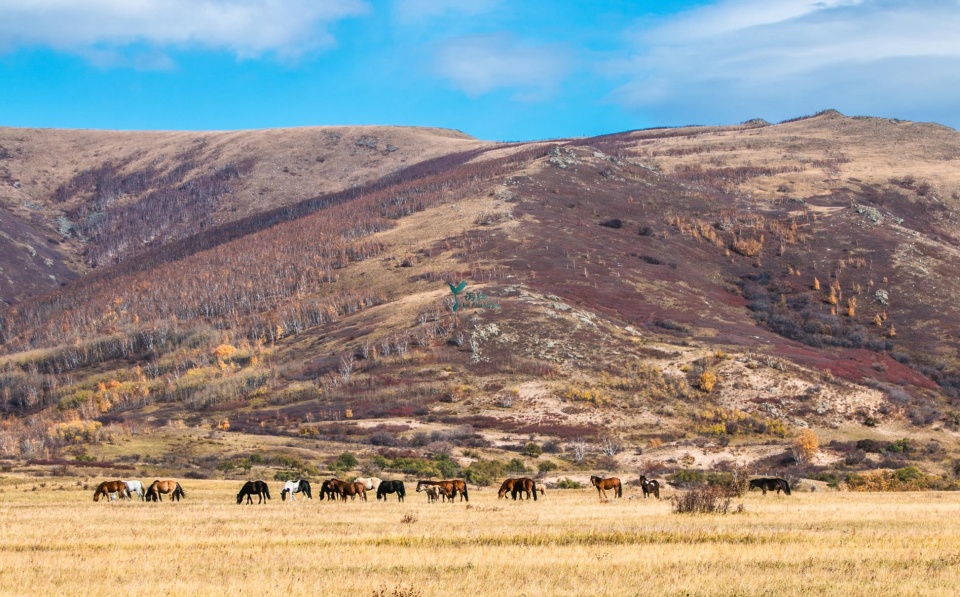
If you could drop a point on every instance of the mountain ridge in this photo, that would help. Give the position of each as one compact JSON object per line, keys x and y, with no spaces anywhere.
{"x":703,"y":289}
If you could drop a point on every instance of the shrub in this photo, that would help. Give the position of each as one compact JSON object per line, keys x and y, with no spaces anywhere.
{"x":612,"y":223}
{"x":533,"y":450}
{"x":686,"y":478}
{"x":706,"y":500}
{"x":908,"y":478}
{"x":872,"y":445}
{"x":546,"y":466}
{"x":516,"y":466}
{"x":344,"y":462}
{"x":901,"y":446}
{"x":484,"y":472}
{"x":708,"y":379}
{"x":568,"y":483}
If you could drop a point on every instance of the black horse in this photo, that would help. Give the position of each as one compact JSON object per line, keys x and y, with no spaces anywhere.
{"x":770,"y":484}
{"x":649,"y":486}
{"x":251,"y":488}
{"x":391,"y":487}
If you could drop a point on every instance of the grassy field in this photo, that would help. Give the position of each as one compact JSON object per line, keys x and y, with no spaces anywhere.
{"x":57,"y":541}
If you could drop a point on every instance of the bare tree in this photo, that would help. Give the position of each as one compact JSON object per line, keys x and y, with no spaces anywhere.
{"x":578,"y":447}
{"x":611,"y":444}
{"x":347,"y":364}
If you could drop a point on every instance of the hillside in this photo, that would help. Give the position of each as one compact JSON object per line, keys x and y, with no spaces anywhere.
{"x":73,"y":200}
{"x":652,"y":300}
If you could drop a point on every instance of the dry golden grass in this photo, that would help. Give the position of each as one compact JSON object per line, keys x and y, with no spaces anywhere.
{"x":59,"y":542}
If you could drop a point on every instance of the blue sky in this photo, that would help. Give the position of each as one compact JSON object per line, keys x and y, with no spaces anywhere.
{"x":496,"y":69}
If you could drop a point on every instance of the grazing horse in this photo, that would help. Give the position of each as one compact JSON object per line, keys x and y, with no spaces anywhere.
{"x":648,"y":487}
{"x":108,"y":487}
{"x":298,"y":486}
{"x":386,"y":487}
{"x":251,"y":488}
{"x":524,"y":485}
{"x":603,"y":485}
{"x":134,"y":487}
{"x":167,"y":486}
{"x":328,"y":489}
{"x":518,"y":487}
{"x":452,"y":487}
{"x":352,"y":490}
{"x":770,"y":484}
{"x":371,"y":483}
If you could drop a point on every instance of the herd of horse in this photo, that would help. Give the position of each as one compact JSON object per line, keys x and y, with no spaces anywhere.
{"x":336,"y":489}
{"x":113,"y":490}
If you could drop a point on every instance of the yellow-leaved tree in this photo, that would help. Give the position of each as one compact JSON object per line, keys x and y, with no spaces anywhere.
{"x":805,"y":446}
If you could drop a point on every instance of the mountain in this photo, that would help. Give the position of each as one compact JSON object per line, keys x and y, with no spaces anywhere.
{"x":663,"y":298}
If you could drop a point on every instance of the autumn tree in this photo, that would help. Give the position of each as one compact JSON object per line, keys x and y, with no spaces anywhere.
{"x":805,"y":446}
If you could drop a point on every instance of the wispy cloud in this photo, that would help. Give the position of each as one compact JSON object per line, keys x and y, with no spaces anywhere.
{"x":759,"y":58}
{"x":480,"y":64}
{"x":247,"y":28}
{"x":412,"y":11}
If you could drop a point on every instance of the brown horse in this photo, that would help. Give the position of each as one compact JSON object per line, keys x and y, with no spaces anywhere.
{"x":167,"y":486}
{"x":525,"y":485}
{"x":648,"y":487}
{"x":603,"y":485}
{"x":328,"y":489}
{"x":108,"y":487}
{"x":344,"y":489}
{"x":518,"y":487}
{"x":452,"y":487}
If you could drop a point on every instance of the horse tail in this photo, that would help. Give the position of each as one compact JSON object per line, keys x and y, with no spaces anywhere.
{"x":266,"y":490}
{"x":305,"y":488}
{"x":534,"y":491}
{"x":619,"y":489}
{"x":183,"y":493}
{"x":465,"y":495}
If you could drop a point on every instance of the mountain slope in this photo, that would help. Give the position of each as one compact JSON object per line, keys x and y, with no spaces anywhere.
{"x":104,"y":197}
{"x":698,"y":290}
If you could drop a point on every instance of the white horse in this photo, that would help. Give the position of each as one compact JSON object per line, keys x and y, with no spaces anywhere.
{"x":134,"y":487}
{"x":298,"y":486}
{"x":371,"y":483}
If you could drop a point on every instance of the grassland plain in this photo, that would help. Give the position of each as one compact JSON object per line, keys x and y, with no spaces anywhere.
{"x":57,"y":541}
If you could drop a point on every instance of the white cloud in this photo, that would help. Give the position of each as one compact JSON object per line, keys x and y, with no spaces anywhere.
{"x":483,"y":63}
{"x":247,"y":28}
{"x":743,"y":58}
{"x":411,"y":11}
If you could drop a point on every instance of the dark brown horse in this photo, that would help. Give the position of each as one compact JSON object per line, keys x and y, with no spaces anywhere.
{"x":603,"y":485}
{"x":518,"y":487}
{"x":770,"y":484}
{"x":328,"y":489}
{"x":451,"y":487}
{"x":525,"y":485}
{"x":108,"y":487}
{"x":251,"y":488}
{"x":167,"y":486}
{"x":648,"y":487}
